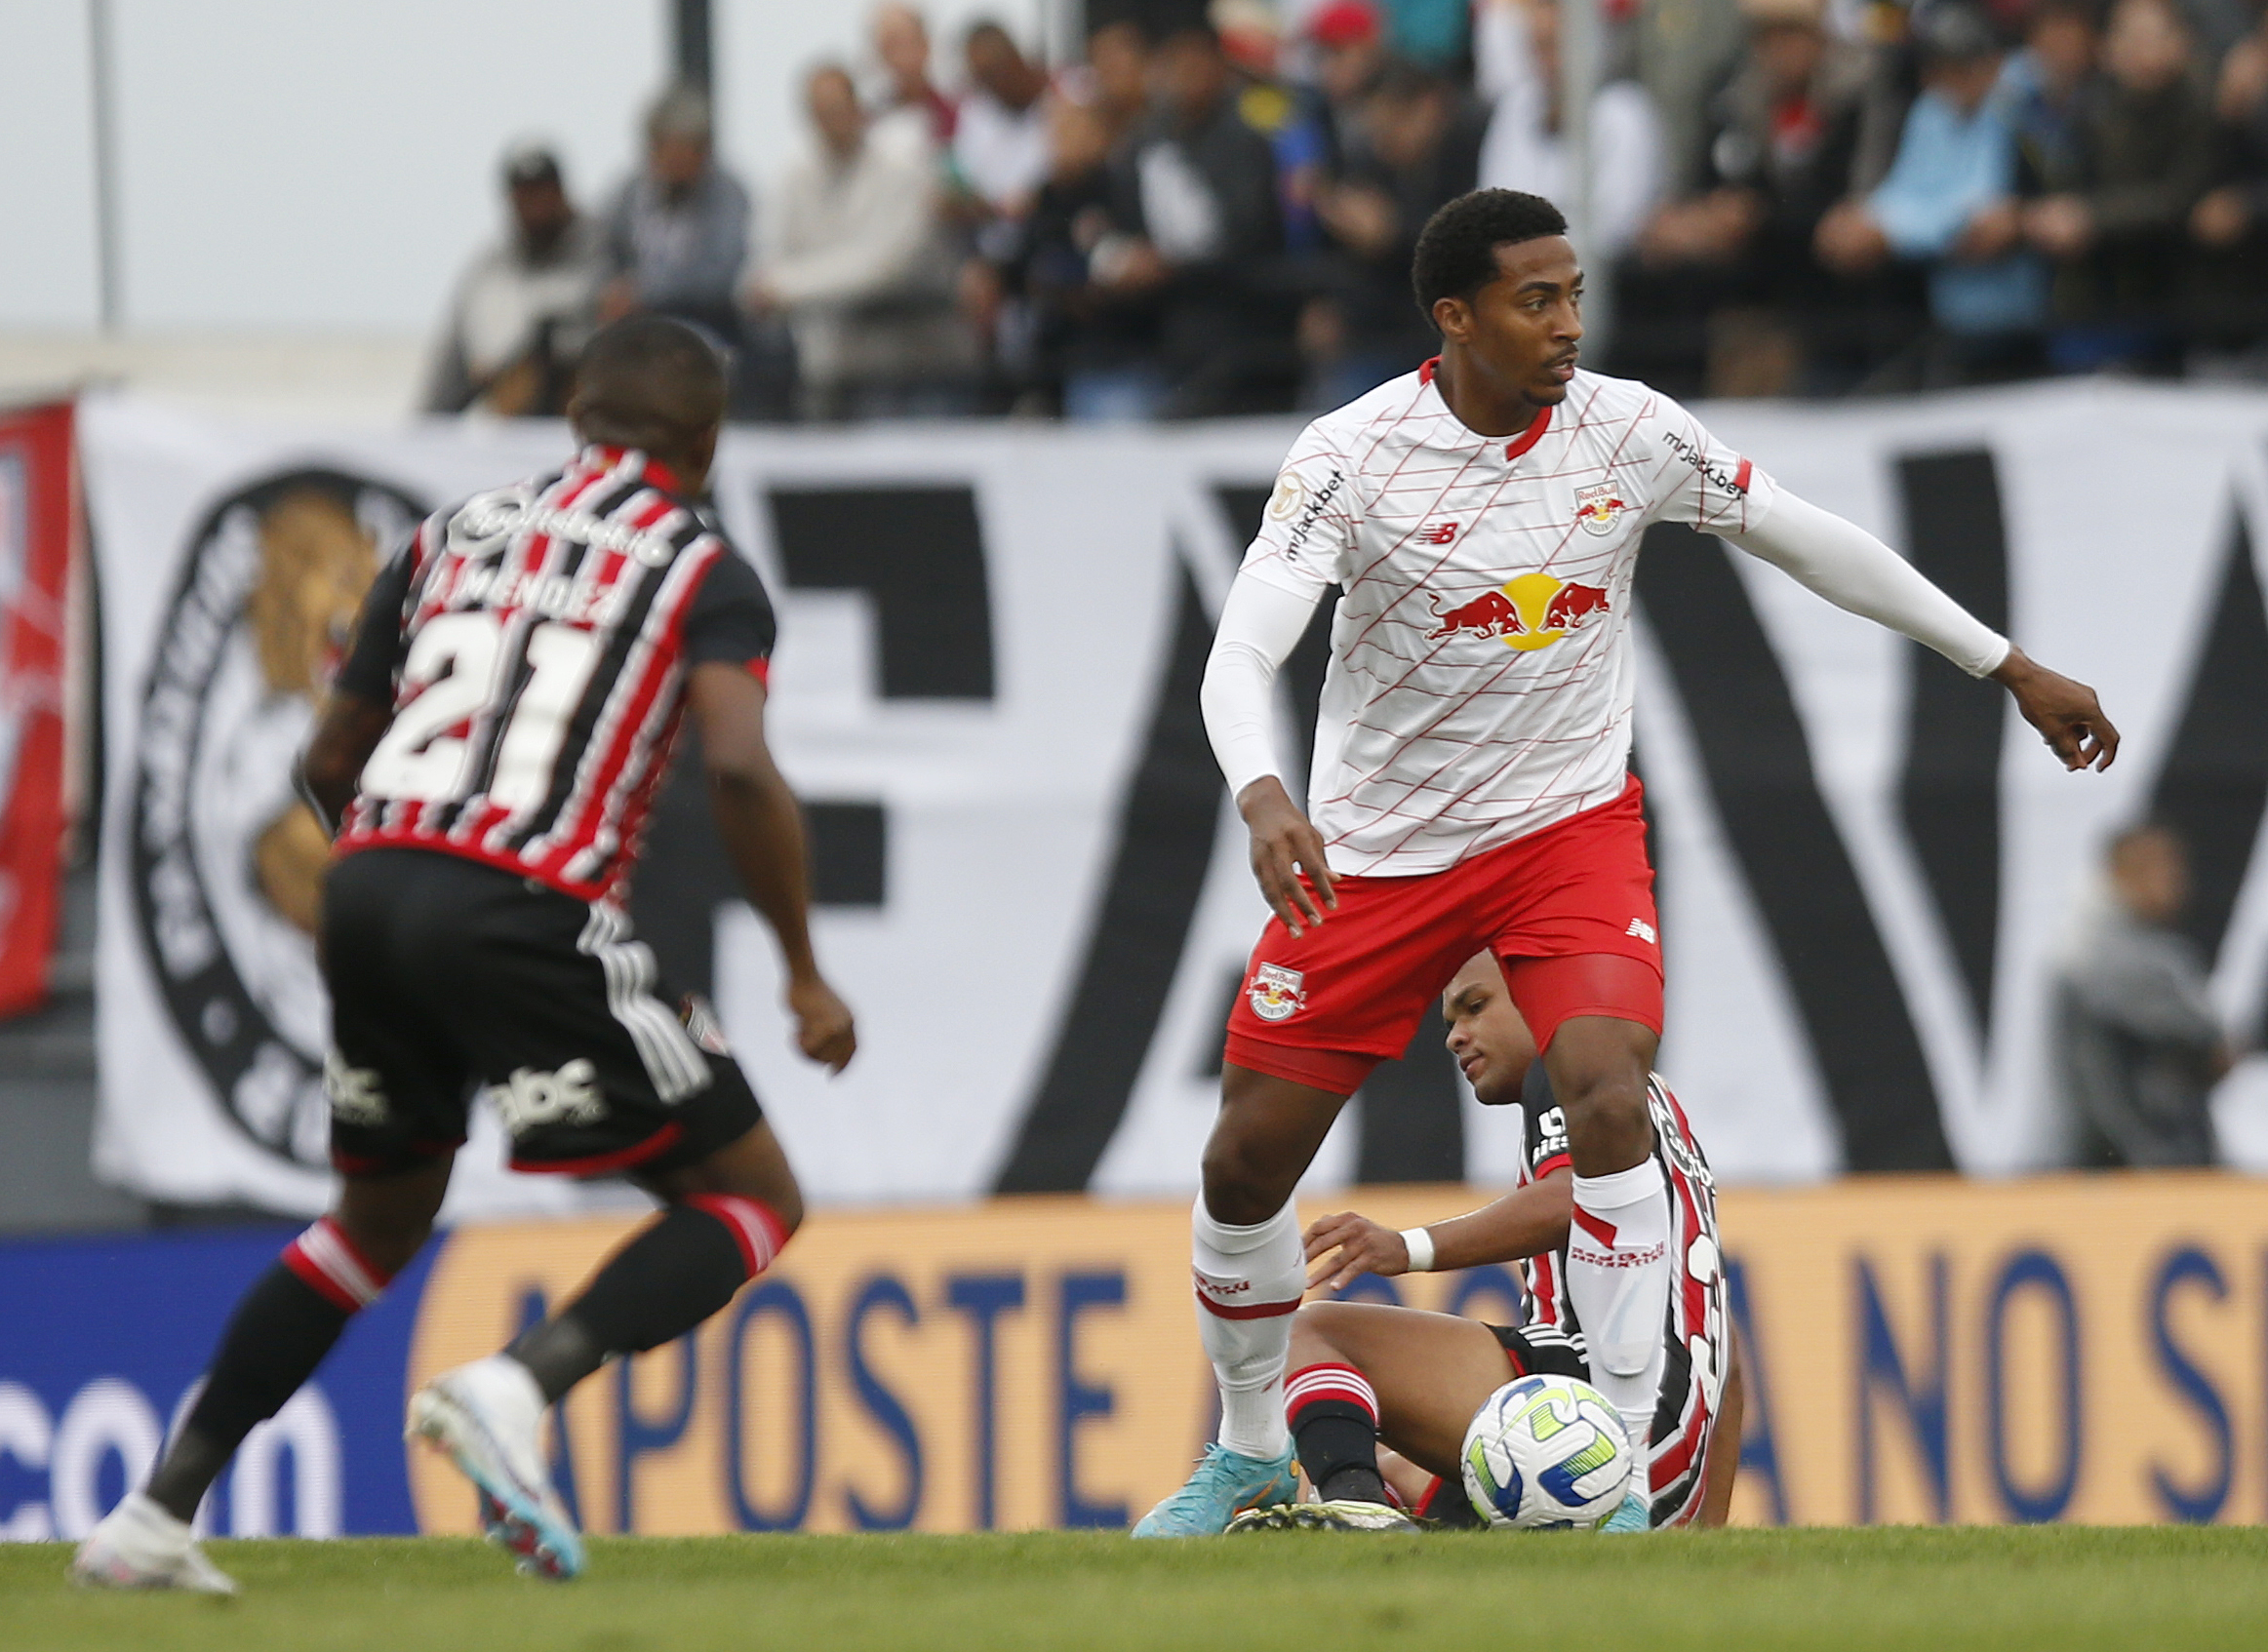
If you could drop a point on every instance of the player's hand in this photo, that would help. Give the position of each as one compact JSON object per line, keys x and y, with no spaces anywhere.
{"x":1285,"y":843}
{"x":1362,"y":1246}
{"x":2067,"y":713}
{"x":822,"y":1023}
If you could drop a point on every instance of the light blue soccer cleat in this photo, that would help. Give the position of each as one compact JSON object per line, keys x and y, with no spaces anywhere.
{"x":486,"y":1417}
{"x":1224,"y":1483}
{"x":1633,"y":1516}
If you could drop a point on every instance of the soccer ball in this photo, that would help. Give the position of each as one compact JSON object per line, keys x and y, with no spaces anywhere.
{"x":1546,"y":1453}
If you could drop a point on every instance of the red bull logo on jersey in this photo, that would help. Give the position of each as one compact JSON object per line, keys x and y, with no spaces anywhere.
{"x":1597,"y":507}
{"x":1278,"y":994}
{"x":1532,"y":612}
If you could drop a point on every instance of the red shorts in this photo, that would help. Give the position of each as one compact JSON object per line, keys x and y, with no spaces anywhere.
{"x":1569,"y":910}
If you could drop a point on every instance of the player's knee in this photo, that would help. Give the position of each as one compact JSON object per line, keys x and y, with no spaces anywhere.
{"x":1314,"y":1330}
{"x":787,"y":1204}
{"x":388,"y":1242}
{"x":777,"y":1193}
{"x":1607,"y":1109}
{"x":1241,"y":1188}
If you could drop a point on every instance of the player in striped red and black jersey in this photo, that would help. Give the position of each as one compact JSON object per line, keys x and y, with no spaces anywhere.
{"x":1354,"y":1364}
{"x":489,"y":752}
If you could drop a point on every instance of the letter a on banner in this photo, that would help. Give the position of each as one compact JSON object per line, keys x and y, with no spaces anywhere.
{"x":38,"y":517}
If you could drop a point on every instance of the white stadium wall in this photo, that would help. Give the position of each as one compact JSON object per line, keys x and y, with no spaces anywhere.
{"x":1032,"y":888}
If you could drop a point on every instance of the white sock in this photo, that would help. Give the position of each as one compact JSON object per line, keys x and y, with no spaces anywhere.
{"x":1248,"y":1284}
{"x":1618,"y":1280}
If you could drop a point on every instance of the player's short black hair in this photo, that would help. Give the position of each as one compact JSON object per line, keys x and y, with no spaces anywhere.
{"x":650,"y":382}
{"x":1456,"y":250}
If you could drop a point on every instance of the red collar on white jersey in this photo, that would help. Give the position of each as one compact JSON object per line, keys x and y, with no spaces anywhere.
{"x":1519,"y":444}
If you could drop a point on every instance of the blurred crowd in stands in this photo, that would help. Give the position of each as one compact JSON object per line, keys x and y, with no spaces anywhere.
{"x":1212,"y":211}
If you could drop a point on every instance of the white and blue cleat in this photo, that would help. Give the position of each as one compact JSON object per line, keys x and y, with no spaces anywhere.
{"x":487,"y":1416}
{"x":1223,"y":1484}
{"x":1633,"y":1516}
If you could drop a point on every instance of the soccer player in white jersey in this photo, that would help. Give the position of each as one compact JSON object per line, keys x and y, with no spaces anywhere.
{"x":1470,"y":785}
{"x":1365,"y":1372}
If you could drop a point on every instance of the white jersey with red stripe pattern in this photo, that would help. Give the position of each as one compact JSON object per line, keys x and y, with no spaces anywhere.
{"x":1697,"y":1332}
{"x":1482,"y":665}
{"x":533,"y":645}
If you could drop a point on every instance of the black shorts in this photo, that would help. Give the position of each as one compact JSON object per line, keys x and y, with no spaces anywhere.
{"x":449,"y":977}
{"x":1543,"y":1350}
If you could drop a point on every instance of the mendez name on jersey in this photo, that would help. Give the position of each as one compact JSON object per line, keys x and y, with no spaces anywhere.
{"x":532,"y":643}
{"x":1481,"y":674}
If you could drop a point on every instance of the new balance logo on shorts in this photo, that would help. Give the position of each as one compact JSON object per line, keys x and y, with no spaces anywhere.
{"x":1643,"y":931}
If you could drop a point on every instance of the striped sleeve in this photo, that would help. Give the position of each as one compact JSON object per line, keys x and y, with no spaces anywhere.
{"x":370,"y":664}
{"x":1307,"y":531}
{"x":1698,"y":478}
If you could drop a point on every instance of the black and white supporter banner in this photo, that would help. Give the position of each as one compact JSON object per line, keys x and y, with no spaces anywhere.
{"x":1031,"y":885}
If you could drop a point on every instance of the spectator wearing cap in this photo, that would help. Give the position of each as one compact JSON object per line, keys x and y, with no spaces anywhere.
{"x":523,"y":307}
{"x":2136,"y":1044}
{"x":911,"y":108}
{"x":2119,"y":236}
{"x":1726,"y":267}
{"x":855,"y":261}
{"x":1349,"y":41}
{"x":677,"y":234}
{"x":1949,"y":203}
{"x":2229,"y":226}
{"x":1197,"y":193}
{"x":1525,"y":147}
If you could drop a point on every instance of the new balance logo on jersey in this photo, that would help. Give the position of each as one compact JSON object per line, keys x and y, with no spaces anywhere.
{"x":568,"y":1096}
{"x":1643,"y":931}
{"x":1438,"y":533}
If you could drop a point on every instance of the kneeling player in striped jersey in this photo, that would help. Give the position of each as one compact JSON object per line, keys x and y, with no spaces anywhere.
{"x":1363,"y":1373}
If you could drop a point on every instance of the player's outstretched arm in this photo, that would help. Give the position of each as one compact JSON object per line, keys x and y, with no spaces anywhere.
{"x":1856,"y":572}
{"x":1260,"y":624}
{"x":761,"y":826}
{"x":1526,"y":1222}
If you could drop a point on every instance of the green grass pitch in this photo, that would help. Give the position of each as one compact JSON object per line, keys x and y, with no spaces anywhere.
{"x":2007,"y":1589}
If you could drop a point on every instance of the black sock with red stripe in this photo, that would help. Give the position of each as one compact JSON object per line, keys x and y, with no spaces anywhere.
{"x":673,"y":1273}
{"x":1333,"y":1415}
{"x":277,"y":1337}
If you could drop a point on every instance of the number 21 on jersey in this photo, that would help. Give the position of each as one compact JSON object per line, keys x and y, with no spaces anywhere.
{"x":458,"y":665}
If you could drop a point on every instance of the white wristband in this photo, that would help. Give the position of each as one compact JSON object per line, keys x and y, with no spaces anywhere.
{"x":1420,"y":1244}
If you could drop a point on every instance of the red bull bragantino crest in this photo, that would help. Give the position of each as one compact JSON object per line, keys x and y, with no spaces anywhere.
{"x":1596,"y":508}
{"x":1530,"y":612}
